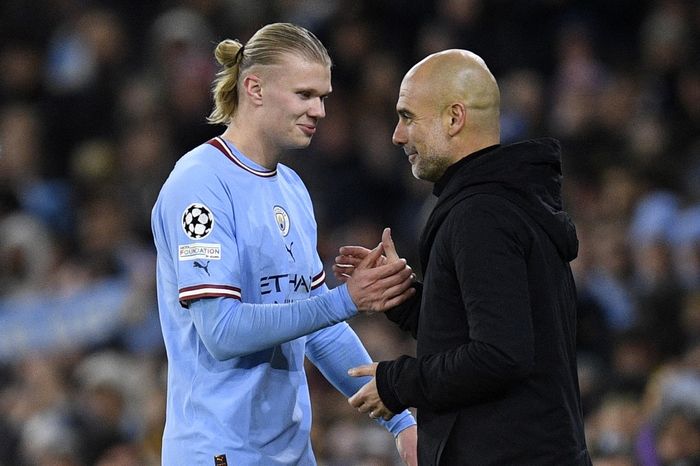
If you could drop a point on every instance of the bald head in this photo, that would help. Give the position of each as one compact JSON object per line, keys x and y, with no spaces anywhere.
{"x":460,"y":76}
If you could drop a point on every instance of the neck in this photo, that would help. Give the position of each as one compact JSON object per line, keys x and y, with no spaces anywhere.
{"x":252,"y":144}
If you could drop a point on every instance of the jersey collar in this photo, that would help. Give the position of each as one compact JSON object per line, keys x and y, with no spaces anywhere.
{"x":220,"y":144}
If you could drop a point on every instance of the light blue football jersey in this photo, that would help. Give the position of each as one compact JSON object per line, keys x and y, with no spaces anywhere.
{"x":227,"y":228}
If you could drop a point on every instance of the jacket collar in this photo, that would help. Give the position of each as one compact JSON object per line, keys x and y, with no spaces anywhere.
{"x":457,"y":166}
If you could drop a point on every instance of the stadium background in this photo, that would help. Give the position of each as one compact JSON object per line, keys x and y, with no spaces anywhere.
{"x":98,"y":100}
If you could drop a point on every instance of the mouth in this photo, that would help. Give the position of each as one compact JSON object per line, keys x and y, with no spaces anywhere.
{"x":308,"y":130}
{"x":412,"y":157}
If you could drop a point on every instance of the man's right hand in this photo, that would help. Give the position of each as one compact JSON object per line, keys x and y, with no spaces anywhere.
{"x":376,"y":282}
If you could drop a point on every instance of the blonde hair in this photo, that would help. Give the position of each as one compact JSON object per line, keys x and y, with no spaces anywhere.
{"x":266,"y":47}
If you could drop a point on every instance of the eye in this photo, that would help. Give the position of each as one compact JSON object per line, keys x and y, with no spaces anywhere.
{"x":304,"y":94}
{"x":405,"y":117}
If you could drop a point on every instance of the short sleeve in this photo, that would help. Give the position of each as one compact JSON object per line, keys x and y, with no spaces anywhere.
{"x":197,"y":219}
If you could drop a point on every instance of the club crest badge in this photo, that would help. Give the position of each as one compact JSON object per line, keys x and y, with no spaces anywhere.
{"x":282,"y":219}
{"x":197,"y":221}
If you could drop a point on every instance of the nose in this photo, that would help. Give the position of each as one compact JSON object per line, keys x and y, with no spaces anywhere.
{"x":318,"y":108}
{"x":399,"y":136}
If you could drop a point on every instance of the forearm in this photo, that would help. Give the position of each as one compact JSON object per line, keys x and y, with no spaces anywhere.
{"x":336,"y":349}
{"x":468,"y":374}
{"x":229,"y":328}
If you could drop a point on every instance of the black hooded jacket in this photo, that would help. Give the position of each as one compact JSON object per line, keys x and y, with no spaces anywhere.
{"x":494,"y":380}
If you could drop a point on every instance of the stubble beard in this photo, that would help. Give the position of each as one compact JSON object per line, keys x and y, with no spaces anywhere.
{"x":431,"y":166}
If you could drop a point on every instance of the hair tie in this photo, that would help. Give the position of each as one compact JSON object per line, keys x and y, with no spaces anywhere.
{"x":237,"y":58}
{"x":239,"y":55}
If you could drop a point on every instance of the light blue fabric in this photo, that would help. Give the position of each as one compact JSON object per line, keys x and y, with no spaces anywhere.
{"x":240,"y":284}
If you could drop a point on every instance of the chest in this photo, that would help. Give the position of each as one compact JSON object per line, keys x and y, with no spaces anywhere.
{"x":443,"y":322}
{"x":276,"y":240}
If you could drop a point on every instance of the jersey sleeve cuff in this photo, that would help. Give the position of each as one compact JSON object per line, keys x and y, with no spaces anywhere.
{"x":346,"y":300}
{"x":400,"y":422}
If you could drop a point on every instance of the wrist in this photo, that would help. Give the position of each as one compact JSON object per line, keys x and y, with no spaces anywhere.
{"x":346,"y":299}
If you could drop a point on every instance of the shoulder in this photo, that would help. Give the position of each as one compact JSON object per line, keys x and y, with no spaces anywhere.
{"x":200,"y":166}
{"x":292,"y":179}
{"x":483,"y":206}
{"x":288,"y":174}
{"x":196,"y":177}
{"x":484,"y":215}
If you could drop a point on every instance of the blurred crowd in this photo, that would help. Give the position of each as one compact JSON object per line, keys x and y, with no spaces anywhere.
{"x":98,"y":99}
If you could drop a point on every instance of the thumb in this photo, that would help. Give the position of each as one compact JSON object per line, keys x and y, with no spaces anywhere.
{"x":371,"y":259}
{"x":388,"y":245}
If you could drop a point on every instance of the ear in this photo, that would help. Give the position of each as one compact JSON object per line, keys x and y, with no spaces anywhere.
{"x":252,"y":86}
{"x":456,"y":118}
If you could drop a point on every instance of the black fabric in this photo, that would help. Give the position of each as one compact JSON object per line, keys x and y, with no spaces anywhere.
{"x":494,"y":379}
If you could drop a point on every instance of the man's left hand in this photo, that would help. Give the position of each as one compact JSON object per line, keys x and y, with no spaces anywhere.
{"x":367,"y":400}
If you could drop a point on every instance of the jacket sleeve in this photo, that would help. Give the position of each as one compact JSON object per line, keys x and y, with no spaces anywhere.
{"x":490,"y":267}
{"x":405,"y":315}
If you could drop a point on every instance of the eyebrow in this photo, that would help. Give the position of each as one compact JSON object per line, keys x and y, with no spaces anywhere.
{"x":313,"y":91}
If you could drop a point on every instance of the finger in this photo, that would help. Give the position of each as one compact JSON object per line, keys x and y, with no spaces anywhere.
{"x":385,"y":276}
{"x":347,"y":261}
{"x":356,"y":251}
{"x":388,"y":269}
{"x":365,"y":408}
{"x":396,"y":300}
{"x":341,"y":277}
{"x":388,"y":297}
{"x":361,"y":371}
{"x":397,"y":290}
{"x":342,"y":270}
{"x":356,"y":400}
{"x":371,"y":258}
{"x":389,"y":246}
{"x":380,"y":411}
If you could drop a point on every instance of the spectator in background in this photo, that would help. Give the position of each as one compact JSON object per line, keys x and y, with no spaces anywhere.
{"x":23,"y":167}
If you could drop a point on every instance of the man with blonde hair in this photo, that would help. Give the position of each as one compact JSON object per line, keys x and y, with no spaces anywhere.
{"x":241,"y":290}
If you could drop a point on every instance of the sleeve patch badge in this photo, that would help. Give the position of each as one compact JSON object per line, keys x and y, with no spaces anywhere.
{"x":197,"y":221}
{"x":194,"y":251}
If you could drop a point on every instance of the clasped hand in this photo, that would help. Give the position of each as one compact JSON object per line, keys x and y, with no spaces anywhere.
{"x":377,"y":279}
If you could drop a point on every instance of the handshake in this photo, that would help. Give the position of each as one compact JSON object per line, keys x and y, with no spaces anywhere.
{"x":377,"y":279}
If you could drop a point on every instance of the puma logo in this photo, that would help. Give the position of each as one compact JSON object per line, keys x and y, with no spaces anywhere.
{"x":198,"y":265}
{"x":289,"y":250}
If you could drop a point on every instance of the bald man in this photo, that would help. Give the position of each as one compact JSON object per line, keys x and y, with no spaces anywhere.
{"x":494,"y":380}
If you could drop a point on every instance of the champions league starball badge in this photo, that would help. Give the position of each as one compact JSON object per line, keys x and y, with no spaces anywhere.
{"x":197,"y":221}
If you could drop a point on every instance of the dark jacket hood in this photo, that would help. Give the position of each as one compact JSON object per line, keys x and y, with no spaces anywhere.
{"x":526,"y":173}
